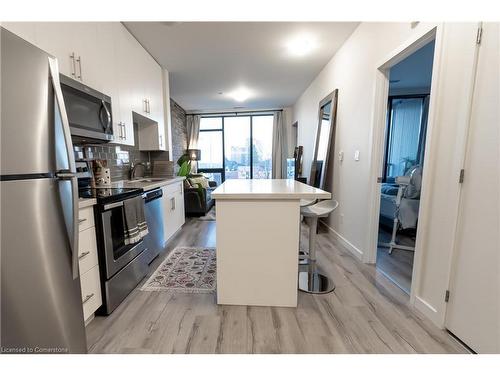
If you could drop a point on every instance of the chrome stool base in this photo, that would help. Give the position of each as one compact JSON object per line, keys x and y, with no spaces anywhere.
{"x":315,"y":283}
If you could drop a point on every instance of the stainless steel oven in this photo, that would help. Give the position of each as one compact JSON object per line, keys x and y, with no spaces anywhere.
{"x":89,"y":112}
{"x":117,"y":254}
{"x":122,"y":266}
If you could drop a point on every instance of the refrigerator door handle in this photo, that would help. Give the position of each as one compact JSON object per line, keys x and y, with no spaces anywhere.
{"x":67,"y":175}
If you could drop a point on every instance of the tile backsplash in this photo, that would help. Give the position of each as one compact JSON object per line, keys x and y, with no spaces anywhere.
{"x":120,"y":157}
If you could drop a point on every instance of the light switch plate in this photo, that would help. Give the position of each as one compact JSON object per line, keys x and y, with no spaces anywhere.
{"x":356,"y":155}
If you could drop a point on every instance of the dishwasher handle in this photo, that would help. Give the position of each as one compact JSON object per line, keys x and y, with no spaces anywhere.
{"x":152,"y":195}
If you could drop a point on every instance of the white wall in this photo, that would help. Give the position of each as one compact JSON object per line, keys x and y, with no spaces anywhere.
{"x":353,"y":71}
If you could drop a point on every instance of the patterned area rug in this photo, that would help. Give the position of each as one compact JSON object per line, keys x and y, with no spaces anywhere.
{"x":185,"y":270}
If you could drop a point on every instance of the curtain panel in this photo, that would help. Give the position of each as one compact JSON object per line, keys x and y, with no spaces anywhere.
{"x":193,"y":130}
{"x":280,"y":147}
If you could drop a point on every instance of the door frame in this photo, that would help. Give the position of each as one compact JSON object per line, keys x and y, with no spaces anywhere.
{"x":378,"y":135}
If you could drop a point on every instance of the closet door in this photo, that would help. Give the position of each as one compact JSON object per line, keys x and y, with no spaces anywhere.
{"x":473,"y":312}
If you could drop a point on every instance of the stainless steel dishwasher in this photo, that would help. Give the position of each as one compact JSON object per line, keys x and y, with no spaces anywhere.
{"x":155,"y":239}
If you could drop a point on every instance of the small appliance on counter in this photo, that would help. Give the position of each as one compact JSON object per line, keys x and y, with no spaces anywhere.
{"x":102,"y":174}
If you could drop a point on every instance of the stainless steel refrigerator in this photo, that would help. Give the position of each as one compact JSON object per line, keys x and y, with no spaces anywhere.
{"x":41,"y":304}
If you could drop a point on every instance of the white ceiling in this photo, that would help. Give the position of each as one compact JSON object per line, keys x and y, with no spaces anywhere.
{"x":208,"y":58}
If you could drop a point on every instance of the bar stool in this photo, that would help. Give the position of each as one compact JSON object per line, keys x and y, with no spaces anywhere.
{"x":311,"y":281}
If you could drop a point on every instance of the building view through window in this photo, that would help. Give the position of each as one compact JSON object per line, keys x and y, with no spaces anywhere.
{"x":236,"y":147}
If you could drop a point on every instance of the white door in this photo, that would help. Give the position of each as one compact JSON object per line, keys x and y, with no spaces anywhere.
{"x":473,"y":312}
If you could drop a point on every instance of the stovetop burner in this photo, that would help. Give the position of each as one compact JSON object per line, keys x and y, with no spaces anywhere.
{"x":107,"y":195}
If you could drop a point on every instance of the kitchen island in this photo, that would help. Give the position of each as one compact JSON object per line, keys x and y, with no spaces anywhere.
{"x":258,"y":224}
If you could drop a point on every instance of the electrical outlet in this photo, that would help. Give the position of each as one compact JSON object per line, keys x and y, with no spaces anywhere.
{"x":341,"y":155}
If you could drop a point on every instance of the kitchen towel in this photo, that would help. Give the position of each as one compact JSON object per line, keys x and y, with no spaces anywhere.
{"x":135,"y":222}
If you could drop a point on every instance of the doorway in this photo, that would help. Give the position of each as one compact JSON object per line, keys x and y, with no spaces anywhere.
{"x":403,"y":164}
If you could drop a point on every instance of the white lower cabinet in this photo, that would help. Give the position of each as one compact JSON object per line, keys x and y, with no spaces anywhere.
{"x":173,"y":208}
{"x":91,"y":292}
{"x":88,"y":264}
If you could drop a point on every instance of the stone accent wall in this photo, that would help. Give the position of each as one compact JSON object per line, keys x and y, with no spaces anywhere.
{"x":179,"y":131}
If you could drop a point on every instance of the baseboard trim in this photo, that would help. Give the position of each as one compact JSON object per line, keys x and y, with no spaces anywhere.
{"x":429,"y":311}
{"x":345,"y":242}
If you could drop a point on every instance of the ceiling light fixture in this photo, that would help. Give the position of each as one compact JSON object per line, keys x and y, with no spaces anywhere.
{"x":241,"y":94}
{"x":301,"y":45}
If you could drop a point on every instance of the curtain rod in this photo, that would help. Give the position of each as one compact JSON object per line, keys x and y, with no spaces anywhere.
{"x":232,"y":113}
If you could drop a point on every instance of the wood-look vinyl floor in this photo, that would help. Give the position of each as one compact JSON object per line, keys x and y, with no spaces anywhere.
{"x":365,"y":314}
{"x":397,"y":266}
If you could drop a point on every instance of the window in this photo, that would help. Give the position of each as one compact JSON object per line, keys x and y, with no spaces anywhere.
{"x":236,"y":147}
{"x":262,"y":138}
{"x":210,"y":142}
{"x":405,"y":135}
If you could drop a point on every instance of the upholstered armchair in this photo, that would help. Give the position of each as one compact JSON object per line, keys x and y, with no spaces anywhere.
{"x":198,"y":195}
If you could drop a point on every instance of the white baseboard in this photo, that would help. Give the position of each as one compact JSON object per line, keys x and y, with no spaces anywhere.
{"x":429,"y":311}
{"x":348,"y":245}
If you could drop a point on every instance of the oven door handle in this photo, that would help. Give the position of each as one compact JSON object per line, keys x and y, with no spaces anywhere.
{"x":112,"y":205}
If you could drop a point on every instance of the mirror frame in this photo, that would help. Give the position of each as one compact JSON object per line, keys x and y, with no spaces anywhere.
{"x":332,"y":97}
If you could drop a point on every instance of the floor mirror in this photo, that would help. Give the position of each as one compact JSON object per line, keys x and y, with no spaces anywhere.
{"x":325,"y":140}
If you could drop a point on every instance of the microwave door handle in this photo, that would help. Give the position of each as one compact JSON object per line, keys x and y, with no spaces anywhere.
{"x":108,"y":116}
{"x":58,"y":95}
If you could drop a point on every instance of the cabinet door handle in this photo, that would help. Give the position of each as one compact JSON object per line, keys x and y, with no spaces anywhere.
{"x":79,"y":60}
{"x":161,"y":141}
{"x":81,"y":220}
{"x":124,"y":131}
{"x":144,"y":106}
{"x":172,"y":203}
{"x":149,"y":107}
{"x":73,"y":64}
{"x":83,"y":255}
{"x":87,"y":297}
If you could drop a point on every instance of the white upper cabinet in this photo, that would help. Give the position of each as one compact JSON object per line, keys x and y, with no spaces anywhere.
{"x":106,"y":57}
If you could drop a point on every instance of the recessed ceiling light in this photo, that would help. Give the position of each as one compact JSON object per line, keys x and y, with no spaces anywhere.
{"x":302,"y":45}
{"x":240,"y":94}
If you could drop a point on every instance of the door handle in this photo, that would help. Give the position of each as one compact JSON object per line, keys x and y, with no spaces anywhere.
{"x":73,"y":64}
{"x":87,"y":297}
{"x":172,"y":203}
{"x":81,"y":220}
{"x":83,"y":255}
{"x":79,"y":61}
{"x":106,"y":125}
{"x":59,"y":99}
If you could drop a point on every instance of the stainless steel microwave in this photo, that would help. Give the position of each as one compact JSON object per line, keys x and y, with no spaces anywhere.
{"x":89,"y":112}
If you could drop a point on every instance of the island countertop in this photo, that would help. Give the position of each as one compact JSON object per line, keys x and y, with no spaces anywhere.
{"x":268,"y":189}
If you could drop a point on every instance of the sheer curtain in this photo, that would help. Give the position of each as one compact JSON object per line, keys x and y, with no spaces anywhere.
{"x":404,"y":137}
{"x":193,"y":130}
{"x":280,"y":149}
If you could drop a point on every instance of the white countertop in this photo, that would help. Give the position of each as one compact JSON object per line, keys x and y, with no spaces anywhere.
{"x":86,"y":202}
{"x":268,"y":189}
{"x":155,"y":182}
